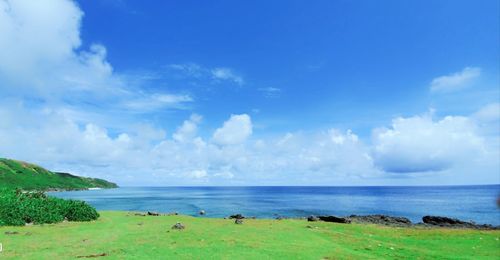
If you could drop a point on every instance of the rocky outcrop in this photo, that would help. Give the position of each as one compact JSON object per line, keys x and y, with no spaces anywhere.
{"x":237,"y":216}
{"x":238,"y":221}
{"x":312,"y":218}
{"x":381,"y":220}
{"x":335,"y":219}
{"x":453,"y":223}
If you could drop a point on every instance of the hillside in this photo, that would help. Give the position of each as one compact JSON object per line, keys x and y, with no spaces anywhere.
{"x":27,"y":176}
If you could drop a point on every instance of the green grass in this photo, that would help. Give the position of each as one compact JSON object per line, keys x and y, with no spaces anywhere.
{"x":17,"y":174}
{"x":120,"y":235}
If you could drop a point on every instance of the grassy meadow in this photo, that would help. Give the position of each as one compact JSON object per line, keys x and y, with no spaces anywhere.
{"x":118,"y":235}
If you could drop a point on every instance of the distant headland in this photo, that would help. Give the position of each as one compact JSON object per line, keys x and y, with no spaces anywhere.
{"x":16,"y":174}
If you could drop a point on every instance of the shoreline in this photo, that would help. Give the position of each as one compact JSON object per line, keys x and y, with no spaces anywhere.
{"x":429,"y":222}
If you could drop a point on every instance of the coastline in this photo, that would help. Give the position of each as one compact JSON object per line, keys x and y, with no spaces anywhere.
{"x":72,"y":189}
{"x":428,"y":222}
{"x":471,"y":203}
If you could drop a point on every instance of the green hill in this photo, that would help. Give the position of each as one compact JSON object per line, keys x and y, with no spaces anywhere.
{"x":27,"y":176}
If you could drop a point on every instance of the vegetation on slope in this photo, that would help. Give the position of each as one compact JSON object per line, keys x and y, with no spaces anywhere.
{"x":18,"y":208}
{"x":119,"y":235}
{"x":22,"y":175}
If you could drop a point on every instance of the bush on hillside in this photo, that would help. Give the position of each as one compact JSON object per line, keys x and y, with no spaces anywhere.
{"x":18,"y":208}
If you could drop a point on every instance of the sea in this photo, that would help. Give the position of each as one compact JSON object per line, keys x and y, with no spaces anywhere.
{"x":471,"y":203}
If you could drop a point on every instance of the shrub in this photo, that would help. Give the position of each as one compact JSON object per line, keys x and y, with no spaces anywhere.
{"x":10,"y":210}
{"x":18,"y":208}
{"x":76,"y":210}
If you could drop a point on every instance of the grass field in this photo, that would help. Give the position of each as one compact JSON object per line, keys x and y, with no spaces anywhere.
{"x":122,"y":235}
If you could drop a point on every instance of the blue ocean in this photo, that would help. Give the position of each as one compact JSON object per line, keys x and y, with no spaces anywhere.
{"x":476,"y":203}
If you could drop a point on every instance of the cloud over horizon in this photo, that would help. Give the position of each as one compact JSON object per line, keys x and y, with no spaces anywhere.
{"x":64,"y":106}
{"x":420,"y":144}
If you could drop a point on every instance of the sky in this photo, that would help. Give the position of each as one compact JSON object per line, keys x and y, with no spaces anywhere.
{"x":165,"y":93}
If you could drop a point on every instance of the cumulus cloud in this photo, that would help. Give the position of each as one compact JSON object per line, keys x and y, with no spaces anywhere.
{"x":41,"y":57}
{"x":145,"y":155}
{"x":234,"y":131}
{"x":455,"y":81}
{"x":35,"y":33}
{"x":188,"y":130}
{"x":420,"y":144}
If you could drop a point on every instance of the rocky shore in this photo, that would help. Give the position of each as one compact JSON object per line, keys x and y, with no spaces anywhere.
{"x":392,"y":221}
{"x":427,"y":221}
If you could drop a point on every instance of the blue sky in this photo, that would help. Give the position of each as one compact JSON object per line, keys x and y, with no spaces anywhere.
{"x":323,"y":92}
{"x":335,"y":62}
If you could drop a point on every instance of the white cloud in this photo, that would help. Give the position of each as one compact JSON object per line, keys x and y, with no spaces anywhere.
{"x":36,"y":33}
{"x":197,"y":174}
{"x":420,"y":144}
{"x":488,"y":113}
{"x":455,"y":81}
{"x":226,"y":74}
{"x":146,"y":156}
{"x":234,"y":131}
{"x":197,"y":72}
{"x":189,"y":69}
{"x":188,"y":130}
{"x":41,"y":58}
{"x":156,"y":101}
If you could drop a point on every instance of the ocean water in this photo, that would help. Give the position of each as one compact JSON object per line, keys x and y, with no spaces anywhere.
{"x":476,"y":203}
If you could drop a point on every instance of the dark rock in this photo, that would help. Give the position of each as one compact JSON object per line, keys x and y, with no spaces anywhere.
{"x":238,"y":221}
{"x":11,"y":233}
{"x":91,"y":256}
{"x":453,"y":223}
{"x":140,"y":214}
{"x":312,"y":218}
{"x":381,"y":220}
{"x":153,"y":213}
{"x":202,"y":212}
{"x":335,"y":219}
{"x":236,"y":216}
{"x":178,"y":226}
{"x":436,"y":220}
